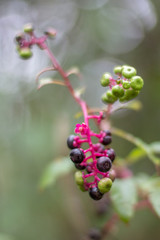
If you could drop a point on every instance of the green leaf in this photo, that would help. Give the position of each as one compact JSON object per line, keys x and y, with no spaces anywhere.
{"x":124,"y":197}
{"x":154,"y":198}
{"x":56,"y":169}
{"x":135,"y":155}
{"x":135,"y":105}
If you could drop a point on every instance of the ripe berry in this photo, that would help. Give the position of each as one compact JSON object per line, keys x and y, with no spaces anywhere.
{"x":105,"y":80}
{"x":78,"y":178}
{"x":105,"y":185}
{"x":118,"y":91}
{"x":89,"y":169}
{"x":94,"y":234}
{"x":111,"y":154}
{"x":79,"y":166}
{"x":76,"y":155}
{"x":108,"y":133}
{"x":95,"y":193}
{"x":104,"y":164}
{"x":107,"y":140}
{"x":128,"y":71}
{"x":137,"y":83}
{"x":70,"y":141}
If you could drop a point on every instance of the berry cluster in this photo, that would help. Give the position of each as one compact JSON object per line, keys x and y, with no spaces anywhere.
{"x":126,"y":87}
{"x":96,"y":161}
{"x":26,"y":39}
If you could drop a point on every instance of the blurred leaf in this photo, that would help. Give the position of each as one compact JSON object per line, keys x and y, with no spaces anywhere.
{"x":46,"y":81}
{"x":80,"y":91}
{"x":154,"y":198}
{"x":124,"y":197}
{"x":73,"y":70}
{"x":133,"y":105}
{"x":155,"y":147}
{"x":57,"y":168}
{"x":135,"y":155}
{"x":139,"y":143}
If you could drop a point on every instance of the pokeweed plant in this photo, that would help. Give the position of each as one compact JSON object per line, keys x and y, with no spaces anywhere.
{"x":94,"y":161}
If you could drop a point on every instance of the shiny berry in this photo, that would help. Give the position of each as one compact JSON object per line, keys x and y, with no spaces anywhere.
{"x":111,"y":154}
{"x":112,"y":175}
{"x":118,"y":91}
{"x":105,"y":80}
{"x":108,"y":133}
{"x":70,"y":141}
{"x":104,"y":164}
{"x":79,"y":166}
{"x":105,"y":185}
{"x":107,"y":140}
{"x":126,"y":84}
{"x":117,"y":70}
{"x":128,"y":71}
{"x":95,"y":193}
{"x":76,"y":155}
{"x":137,"y":83}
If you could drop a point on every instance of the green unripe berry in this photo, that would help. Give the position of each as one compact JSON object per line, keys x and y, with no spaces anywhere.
{"x":105,"y":80}
{"x":105,"y":185}
{"x":117,"y":70}
{"x":104,"y":98}
{"x":110,"y":97}
{"x":126,"y":84}
{"x":137,"y":83}
{"x":128,"y":71}
{"x":82,"y":188}
{"x":129,"y":95}
{"x":28,"y":28}
{"x":78,"y":178}
{"x":118,"y":91}
{"x":25,"y":53}
{"x":118,"y":81}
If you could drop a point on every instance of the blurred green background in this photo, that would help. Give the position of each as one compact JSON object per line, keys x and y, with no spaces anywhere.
{"x":94,"y":35}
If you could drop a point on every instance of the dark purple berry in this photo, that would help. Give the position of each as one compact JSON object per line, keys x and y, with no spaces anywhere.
{"x":89,"y":169}
{"x":107,"y":140}
{"x":70,"y":141}
{"x":95,"y":193}
{"x":104,"y":164}
{"x":76,"y":155}
{"x":94,"y":234}
{"x":108,"y":133}
{"x":111,"y":154}
{"x":79,"y":166}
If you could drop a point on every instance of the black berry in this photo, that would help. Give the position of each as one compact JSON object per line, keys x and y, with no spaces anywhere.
{"x":79,"y":166}
{"x":76,"y":155}
{"x":95,"y":193}
{"x":70,"y":141}
{"x":89,"y":169}
{"x":111,"y":154}
{"x":94,"y":234}
{"x":107,"y":140}
{"x":104,"y":164}
{"x":108,"y":133}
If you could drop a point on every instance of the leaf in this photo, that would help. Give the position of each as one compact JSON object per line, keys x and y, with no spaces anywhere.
{"x":155,"y":147}
{"x":124,"y":197}
{"x":46,"y":81}
{"x":43,"y":71}
{"x":154,"y":198}
{"x":80,"y":91}
{"x":56,"y":169}
{"x":135,"y":155}
{"x":135,"y":105}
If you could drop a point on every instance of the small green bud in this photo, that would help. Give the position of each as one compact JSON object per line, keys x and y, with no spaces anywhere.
{"x":110,"y":97}
{"x":51,"y":32}
{"x":118,"y":91}
{"x":105,"y":80}
{"x":105,"y":185}
{"x":128,"y":71}
{"x":126,"y":84}
{"x":78,"y":178}
{"x":28,"y":28}
{"x":129,"y":95}
{"x":117,"y":70}
{"x":25,"y":53}
{"x":112,"y":175}
{"x":137,"y":83}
